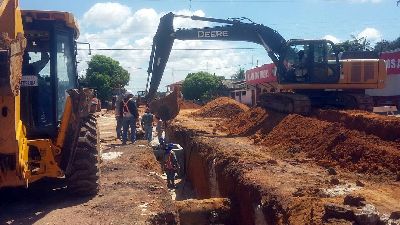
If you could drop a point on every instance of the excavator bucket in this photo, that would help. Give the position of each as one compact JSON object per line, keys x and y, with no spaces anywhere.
{"x":167,"y":108}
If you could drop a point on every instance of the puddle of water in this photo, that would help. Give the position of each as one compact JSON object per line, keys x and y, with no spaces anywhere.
{"x":340,"y":190}
{"x":111,"y":155}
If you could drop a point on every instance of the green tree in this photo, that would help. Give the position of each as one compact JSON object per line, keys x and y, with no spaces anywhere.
{"x":385,"y":45}
{"x":105,"y":74}
{"x":356,"y":44}
{"x":239,"y":75}
{"x":200,"y":86}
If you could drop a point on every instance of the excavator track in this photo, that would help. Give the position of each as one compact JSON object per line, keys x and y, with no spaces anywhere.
{"x":286,"y":102}
{"x":83,"y":178}
{"x":303,"y":103}
{"x":363,"y":102}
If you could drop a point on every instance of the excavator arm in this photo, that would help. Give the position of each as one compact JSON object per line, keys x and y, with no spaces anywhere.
{"x":233,"y":30}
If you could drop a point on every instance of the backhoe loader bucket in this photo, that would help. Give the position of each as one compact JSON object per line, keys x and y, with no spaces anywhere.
{"x":167,"y":108}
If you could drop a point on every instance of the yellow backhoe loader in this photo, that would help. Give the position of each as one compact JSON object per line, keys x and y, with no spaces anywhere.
{"x":46,"y":127}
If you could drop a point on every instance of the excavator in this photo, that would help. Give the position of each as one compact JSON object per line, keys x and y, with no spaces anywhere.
{"x":309,"y":72}
{"x":46,"y":127}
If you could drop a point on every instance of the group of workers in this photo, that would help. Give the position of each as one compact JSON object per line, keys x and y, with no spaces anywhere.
{"x":127,"y":116}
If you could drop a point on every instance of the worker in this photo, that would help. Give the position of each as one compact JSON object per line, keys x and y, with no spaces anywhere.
{"x":129,"y":117}
{"x":302,"y":72}
{"x":95,"y":105}
{"x":170,"y":165}
{"x":147,"y":124}
{"x":118,"y":115}
{"x":159,"y":128}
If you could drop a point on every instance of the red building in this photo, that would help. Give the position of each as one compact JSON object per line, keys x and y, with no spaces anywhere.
{"x":261,"y":79}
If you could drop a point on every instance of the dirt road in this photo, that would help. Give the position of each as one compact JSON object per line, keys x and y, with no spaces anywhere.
{"x":132,"y":192}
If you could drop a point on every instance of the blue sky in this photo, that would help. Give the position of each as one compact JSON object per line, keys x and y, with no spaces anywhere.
{"x":133,"y":23}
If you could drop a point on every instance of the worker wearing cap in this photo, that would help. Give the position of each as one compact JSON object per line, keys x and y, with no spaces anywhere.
{"x":129,"y":113}
{"x":147,"y":124}
{"x":170,"y":165}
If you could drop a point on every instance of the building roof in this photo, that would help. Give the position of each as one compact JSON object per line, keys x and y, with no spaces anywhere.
{"x":233,"y":84}
{"x":176,"y":83}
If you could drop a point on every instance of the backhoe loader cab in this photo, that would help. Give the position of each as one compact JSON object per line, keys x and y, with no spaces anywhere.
{"x":49,"y":70}
{"x":47,"y":129}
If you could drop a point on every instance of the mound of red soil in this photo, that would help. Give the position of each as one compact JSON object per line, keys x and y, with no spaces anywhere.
{"x":189,"y":105}
{"x":252,"y":121}
{"x":354,"y":140}
{"x":335,"y":143}
{"x":385,"y":127}
{"x":223,"y":107}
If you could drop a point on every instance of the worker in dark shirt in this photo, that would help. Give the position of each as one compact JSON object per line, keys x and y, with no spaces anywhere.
{"x":129,"y":113}
{"x":147,"y":124}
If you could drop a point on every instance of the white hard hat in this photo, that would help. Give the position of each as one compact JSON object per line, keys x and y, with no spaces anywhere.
{"x":128,"y":92}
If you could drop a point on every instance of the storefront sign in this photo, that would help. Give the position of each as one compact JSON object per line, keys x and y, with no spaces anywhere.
{"x":392,"y":61}
{"x":263,"y":74}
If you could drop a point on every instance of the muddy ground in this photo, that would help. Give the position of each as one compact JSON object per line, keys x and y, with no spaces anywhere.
{"x":132,"y":191}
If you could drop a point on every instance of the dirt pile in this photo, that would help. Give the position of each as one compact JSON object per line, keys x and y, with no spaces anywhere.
{"x":334,"y":144}
{"x":253,"y":120}
{"x":355,"y":140}
{"x":186,"y":104}
{"x":223,"y":107}
{"x":385,"y":127}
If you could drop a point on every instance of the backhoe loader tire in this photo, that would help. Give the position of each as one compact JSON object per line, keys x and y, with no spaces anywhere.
{"x":83,"y":179}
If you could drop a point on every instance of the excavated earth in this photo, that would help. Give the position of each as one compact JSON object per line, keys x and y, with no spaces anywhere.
{"x":333,"y":167}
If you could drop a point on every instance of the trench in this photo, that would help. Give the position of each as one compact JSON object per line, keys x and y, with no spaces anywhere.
{"x":206,"y":173}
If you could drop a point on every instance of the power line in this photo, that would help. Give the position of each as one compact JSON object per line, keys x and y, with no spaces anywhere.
{"x":176,"y":49}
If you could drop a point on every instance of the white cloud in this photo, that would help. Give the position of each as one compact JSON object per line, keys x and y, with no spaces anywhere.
{"x":106,"y":15}
{"x":331,"y":38}
{"x":135,"y":29}
{"x":371,"y":34}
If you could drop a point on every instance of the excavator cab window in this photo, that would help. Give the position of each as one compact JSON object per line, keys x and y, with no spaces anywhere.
{"x":312,"y":61}
{"x":298,"y":58}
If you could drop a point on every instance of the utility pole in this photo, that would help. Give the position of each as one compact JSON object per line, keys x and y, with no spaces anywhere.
{"x":173,"y":76}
